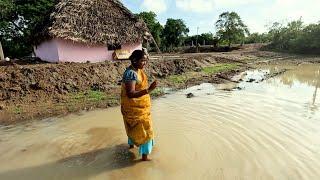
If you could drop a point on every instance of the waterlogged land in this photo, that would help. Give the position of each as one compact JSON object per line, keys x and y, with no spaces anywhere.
{"x":38,"y":91}
{"x":27,"y":91}
{"x":265,"y":127}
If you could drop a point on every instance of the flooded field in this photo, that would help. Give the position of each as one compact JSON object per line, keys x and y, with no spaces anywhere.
{"x":266,"y":128}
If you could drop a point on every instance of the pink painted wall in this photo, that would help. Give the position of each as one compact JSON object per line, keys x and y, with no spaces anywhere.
{"x":78,"y":52}
{"x":47,"y":51}
{"x":59,"y":50}
{"x":131,"y":47}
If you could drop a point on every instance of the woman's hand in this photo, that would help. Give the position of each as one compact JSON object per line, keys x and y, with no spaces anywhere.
{"x":153,"y":86}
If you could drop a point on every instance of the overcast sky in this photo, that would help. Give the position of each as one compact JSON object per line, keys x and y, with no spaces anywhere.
{"x":256,"y":14}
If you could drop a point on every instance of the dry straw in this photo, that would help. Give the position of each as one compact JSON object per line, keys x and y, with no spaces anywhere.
{"x":92,"y":22}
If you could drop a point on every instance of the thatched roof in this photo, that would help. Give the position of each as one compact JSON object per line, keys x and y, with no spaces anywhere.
{"x":93,"y":22}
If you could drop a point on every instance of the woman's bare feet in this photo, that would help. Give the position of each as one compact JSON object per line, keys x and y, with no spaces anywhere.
{"x":145,"y":157}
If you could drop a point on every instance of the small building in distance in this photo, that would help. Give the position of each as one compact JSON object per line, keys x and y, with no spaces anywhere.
{"x":88,"y":30}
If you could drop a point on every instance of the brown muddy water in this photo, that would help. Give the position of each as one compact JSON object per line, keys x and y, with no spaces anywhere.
{"x":266,"y":130}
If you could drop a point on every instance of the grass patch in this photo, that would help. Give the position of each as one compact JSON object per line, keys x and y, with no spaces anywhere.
{"x":177,"y":79}
{"x":219,"y":68}
{"x":92,"y":96}
{"x":17,"y":110}
{"x":157,"y":92}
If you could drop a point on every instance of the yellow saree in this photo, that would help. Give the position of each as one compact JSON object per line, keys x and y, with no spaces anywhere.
{"x":136,"y":112}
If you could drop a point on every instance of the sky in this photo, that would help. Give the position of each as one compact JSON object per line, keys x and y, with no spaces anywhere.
{"x":258,"y":15}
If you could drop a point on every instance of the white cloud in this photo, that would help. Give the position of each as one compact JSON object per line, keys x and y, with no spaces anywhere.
{"x":257,"y":14}
{"x":157,"y":6}
{"x":294,"y":9}
{"x":228,"y":3}
{"x":204,"y":6}
{"x":195,"y":5}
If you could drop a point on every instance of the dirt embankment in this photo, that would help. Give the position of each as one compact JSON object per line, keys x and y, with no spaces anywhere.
{"x":39,"y":90}
{"x":43,"y":90}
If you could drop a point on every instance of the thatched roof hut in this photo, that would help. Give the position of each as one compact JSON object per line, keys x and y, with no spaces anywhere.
{"x":91,"y":23}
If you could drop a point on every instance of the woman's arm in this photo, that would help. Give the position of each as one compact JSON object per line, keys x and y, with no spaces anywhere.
{"x":131,"y":90}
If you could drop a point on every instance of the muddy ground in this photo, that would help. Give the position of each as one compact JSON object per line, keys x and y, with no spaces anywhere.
{"x":39,"y":90}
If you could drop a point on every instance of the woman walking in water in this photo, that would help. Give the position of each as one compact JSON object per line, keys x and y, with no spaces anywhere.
{"x":136,"y":104}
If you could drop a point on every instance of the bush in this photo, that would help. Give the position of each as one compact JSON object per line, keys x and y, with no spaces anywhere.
{"x":295,"y":37}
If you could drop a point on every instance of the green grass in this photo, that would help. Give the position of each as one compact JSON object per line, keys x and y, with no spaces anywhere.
{"x":177,"y":79}
{"x":157,"y":92}
{"x":17,"y":110}
{"x":92,"y":96}
{"x":180,"y":79}
{"x":219,"y":68}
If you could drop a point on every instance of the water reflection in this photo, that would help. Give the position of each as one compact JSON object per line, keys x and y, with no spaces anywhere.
{"x":308,"y":74}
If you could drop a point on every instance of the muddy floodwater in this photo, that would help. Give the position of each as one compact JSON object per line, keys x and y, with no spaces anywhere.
{"x":266,"y":128}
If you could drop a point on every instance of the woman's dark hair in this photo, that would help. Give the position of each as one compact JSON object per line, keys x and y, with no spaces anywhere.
{"x":136,"y":56}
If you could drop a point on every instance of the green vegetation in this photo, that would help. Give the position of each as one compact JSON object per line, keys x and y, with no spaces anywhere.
{"x":203,"y":39}
{"x":230,"y":28}
{"x":18,"y":21}
{"x":178,"y":79}
{"x":183,"y":78}
{"x":295,"y":37}
{"x":171,"y":35}
{"x":219,"y":68}
{"x":91,"y":96}
{"x":157,"y":92}
{"x":257,"y":38}
{"x":154,"y":26}
{"x":174,"y":33}
{"x":17,"y":110}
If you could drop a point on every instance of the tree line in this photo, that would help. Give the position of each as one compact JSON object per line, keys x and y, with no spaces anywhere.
{"x":230,"y":29}
{"x":19,"y":20}
{"x":295,"y":36}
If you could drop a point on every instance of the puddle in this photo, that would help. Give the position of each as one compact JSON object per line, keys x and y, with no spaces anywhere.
{"x":266,"y":130}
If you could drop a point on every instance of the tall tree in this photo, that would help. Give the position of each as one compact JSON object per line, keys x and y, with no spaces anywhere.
{"x":18,"y":19}
{"x":174,"y":32}
{"x":230,"y":28}
{"x":150,"y":18}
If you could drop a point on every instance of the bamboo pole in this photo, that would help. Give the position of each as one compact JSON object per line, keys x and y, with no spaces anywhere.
{"x":1,"y":53}
{"x":315,"y":94}
{"x":148,"y":37}
{"x":155,"y":43}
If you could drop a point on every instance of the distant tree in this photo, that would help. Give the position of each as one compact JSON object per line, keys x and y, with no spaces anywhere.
{"x":174,"y":33}
{"x":309,"y":40}
{"x":283,"y":36}
{"x":18,"y":20}
{"x":295,"y":37}
{"x":150,"y":18}
{"x":230,"y":28}
{"x":257,"y":38}
{"x":207,"y":38}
